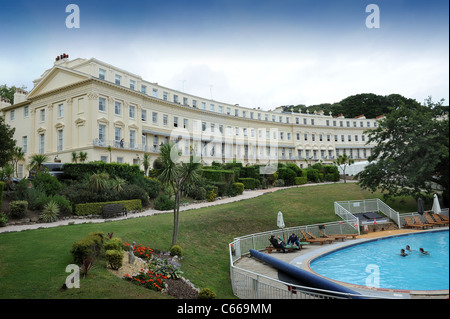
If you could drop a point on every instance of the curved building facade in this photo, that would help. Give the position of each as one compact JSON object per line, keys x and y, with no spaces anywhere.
{"x":113,"y":115}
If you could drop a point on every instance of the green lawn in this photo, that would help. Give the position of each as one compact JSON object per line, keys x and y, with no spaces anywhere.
{"x":33,"y":262}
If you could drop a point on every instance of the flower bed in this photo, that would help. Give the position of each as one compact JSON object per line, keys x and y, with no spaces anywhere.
{"x":148,"y":279}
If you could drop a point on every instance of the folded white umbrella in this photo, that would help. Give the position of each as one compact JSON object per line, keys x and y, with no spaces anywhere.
{"x":436,"y":207}
{"x":280,"y":221}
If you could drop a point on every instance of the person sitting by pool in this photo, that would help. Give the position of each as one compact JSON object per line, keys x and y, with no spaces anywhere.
{"x":275,"y":243}
{"x":402,"y":253}
{"x":424,"y":251}
{"x":294,"y":240}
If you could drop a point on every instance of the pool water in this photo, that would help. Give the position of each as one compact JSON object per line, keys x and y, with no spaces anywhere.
{"x":378,"y":263}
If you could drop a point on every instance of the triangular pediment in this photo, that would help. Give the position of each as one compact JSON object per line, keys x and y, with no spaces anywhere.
{"x":57,"y":78}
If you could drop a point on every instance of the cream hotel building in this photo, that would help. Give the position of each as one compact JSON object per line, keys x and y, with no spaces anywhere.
{"x":87,"y":105}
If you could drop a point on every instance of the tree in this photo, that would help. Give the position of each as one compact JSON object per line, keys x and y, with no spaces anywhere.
{"x":75,"y":157}
{"x":8,"y":92}
{"x":18,"y":155}
{"x":177,"y":174}
{"x":83,"y":156}
{"x":343,"y":161}
{"x":411,"y":151}
{"x":146,"y":163}
{"x":36,"y":162}
{"x":7,"y":142}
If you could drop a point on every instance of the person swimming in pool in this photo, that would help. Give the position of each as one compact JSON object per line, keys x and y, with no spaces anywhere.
{"x":409,"y":248}
{"x":403,"y":253}
{"x":423,"y":251}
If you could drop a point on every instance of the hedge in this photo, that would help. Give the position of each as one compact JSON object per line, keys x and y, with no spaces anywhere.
{"x":123,"y":170}
{"x":96,"y":208}
{"x":218,"y":175}
{"x":300,"y":180}
{"x":250,"y":183}
{"x":237,"y":188}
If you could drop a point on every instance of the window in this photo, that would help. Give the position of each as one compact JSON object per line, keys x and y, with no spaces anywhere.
{"x":203,"y":106}
{"x":244,"y":113}
{"x":281,"y":135}
{"x":144,"y":115}
{"x":102,"y":74}
{"x":306,"y":137}
{"x":132,"y":84}
{"x":103,"y":158}
{"x":143,"y":89}
{"x":203,"y":126}
{"x":312,"y":121}
{"x":289,"y":136}
{"x":12,"y":115}
{"x":60,"y":141}
{"x":43,"y":115}
{"x":280,"y":119}
{"x":368,"y":124}
{"x":117,"y":108}
{"x":185,"y":123}
{"x":348,"y":123}
{"x":155,"y":117}
{"x":349,"y":138}
{"x":185,"y":101}
{"x":220,"y":109}
{"x":175,"y":98}
{"x":356,"y":138}
{"x":304,"y":121}
{"x":101,"y":133}
{"x":25,"y":111}
{"x":117,"y":134}
{"x":228,"y":111}
{"x":165,"y":96}
{"x":236,"y":112}
{"x":165,"y":119}
{"x":155,"y":93}
{"x":102,"y":104}
{"x":132,"y":111}
{"x":194,"y":103}
{"x":60,"y":110}
{"x":41,"y":143}
{"x":119,"y":159}
{"x":118,"y":79}
{"x":313,"y":137}
{"x":175,"y":121}
{"x":237,"y":131}
{"x":328,"y":122}
{"x":24,"y":144}
{"x":211,"y":107}
{"x":132,"y":138}
{"x":273,"y":118}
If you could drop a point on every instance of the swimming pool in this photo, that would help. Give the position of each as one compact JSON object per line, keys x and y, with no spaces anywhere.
{"x":377,"y":264}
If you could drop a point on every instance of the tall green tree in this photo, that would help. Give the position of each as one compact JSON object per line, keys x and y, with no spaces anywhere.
{"x":343,"y":161}
{"x":7,"y":144}
{"x":411,"y":151}
{"x":177,"y":174}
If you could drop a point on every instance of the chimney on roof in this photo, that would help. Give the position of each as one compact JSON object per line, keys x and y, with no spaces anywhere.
{"x":20,"y":96}
{"x":61,"y":58}
{"x":4,"y":102}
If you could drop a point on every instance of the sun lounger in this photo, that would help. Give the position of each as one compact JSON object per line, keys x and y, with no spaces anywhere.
{"x":286,"y":247}
{"x":338,"y":236}
{"x":440,"y":218}
{"x":316,"y":240}
{"x":410,"y":224}
{"x":418,"y":221}
{"x":431,"y":221}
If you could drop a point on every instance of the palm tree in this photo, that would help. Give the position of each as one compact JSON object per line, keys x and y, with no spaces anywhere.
{"x":343,"y":161}
{"x":82,"y":156}
{"x":109,"y":149}
{"x":98,"y":182}
{"x":18,"y":155}
{"x":146,"y":163}
{"x":36,"y":162}
{"x":74,"y":157}
{"x":176,"y":174}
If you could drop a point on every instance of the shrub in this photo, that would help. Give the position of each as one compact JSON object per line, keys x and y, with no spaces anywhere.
{"x":148,"y":279}
{"x":212,"y":196}
{"x":2,"y":187}
{"x":3,"y":219}
{"x":206,"y":293}
{"x":237,"y":189}
{"x":18,"y":208}
{"x":313,"y":174}
{"x":96,"y":208}
{"x":114,"y":258}
{"x":89,"y":245}
{"x":279,"y":183}
{"x":163,"y":202}
{"x":135,"y":192}
{"x":113,"y":244}
{"x":50,"y":212}
{"x":300,"y":180}
{"x":249,"y":183}
{"x":36,"y":198}
{"x":198,"y":193}
{"x":176,"y":250}
{"x":287,"y":174}
{"x":48,"y":183}
{"x":65,"y":207}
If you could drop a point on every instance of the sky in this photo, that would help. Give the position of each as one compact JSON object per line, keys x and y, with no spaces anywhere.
{"x":263,"y":53}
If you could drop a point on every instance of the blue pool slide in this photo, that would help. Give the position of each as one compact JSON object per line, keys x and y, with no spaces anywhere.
{"x":304,"y":276}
